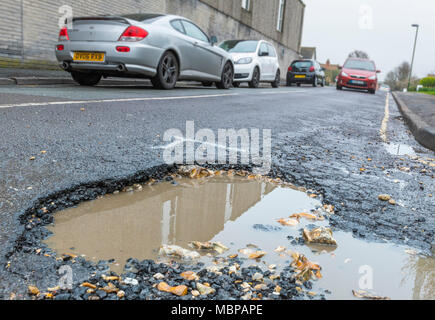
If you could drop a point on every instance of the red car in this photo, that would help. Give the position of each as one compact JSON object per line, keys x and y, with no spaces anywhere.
{"x":358,"y":74}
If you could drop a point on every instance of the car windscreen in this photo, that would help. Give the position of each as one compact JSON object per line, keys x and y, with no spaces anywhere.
{"x":301,"y":66}
{"x":237,"y":46}
{"x":143,"y":17}
{"x":360,"y":65}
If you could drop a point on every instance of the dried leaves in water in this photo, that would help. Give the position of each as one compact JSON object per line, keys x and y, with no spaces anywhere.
{"x":288,"y":222}
{"x":178,"y":252}
{"x":257,"y":255}
{"x":309,"y":216}
{"x":305,"y":269}
{"x":366,"y":295}
{"x":214,"y":246}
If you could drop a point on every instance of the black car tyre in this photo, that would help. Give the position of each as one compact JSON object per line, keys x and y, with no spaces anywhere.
{"x":298,"y":84}
{"x":255,"y":82}
{"x":236,"y":84}
{"x":86,"y":79}
{"x":315,"y":83}
{"x":323,"y":82}
{"x":167,"y":72}
{"x":372,"y":91}
{"x":339,"y":87}
{"x":227,"y":77}
{"x":277,"y":82}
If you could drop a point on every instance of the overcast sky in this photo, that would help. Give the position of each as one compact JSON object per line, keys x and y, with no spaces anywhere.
{"x":382,"y":28}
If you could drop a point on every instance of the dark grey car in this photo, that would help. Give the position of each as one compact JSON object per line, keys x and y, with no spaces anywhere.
{"x":163,"y":48}
{"x":306,"y":71}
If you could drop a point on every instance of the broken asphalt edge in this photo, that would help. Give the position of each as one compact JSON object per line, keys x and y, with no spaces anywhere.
{"x":422,"y":132}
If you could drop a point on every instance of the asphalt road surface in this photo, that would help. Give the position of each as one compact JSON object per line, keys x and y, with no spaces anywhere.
{"x":345,"y":144}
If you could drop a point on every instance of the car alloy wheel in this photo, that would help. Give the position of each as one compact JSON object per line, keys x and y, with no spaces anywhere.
{"x":227,"y":77}
{"x":167,"y":72}
{"x":255,"y":82}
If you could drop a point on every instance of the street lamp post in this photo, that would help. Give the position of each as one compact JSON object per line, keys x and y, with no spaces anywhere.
{"x":413,"y":53}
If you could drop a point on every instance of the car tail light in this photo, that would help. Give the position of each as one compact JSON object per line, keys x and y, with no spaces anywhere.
{"x":123,"y":49}
{"x":312,"y":69}
{"x":290,"y":69}
{"x":133,"y":33}
{"x":60,"y":47}
{"x":63,"y":34}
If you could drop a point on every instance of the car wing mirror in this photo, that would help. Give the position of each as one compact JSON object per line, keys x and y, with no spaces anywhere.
{"x":213,"y":40}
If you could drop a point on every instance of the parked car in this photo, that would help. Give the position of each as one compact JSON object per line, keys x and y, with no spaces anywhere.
{"x":163,"y":48}
{"x":358,"y":74}
{"x":305,"y":71}
{"x":255,"y":61}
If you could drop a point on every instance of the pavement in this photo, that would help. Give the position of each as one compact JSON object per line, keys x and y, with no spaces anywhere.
{"x":15,"y":76}
{"x":419,"y":113}
{"x":95,"y":139}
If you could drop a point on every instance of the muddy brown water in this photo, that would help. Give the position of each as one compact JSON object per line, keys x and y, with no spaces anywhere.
{"x":136,"y":224}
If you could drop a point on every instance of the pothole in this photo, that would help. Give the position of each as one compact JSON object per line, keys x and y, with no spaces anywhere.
{"x":241,"y":213}
{"x":399,"y":149}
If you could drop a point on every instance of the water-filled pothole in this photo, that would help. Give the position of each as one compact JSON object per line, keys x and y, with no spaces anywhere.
{"x":239,"y":213}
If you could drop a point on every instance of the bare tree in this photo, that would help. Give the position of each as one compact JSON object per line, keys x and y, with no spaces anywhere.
{"x":359,"y":54}
{"x":398,"y":78}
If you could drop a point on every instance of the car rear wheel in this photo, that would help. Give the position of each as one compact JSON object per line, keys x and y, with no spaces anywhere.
{"x":277,"y":81}
{"x":227,"y":77}
{"x":86,"y":79}
{"x":323,"y":82}
{"x":167,"y":72}
{"x":315,"y":83}
{"x":339,"y":87}
{"x":255,"y":82}
{"x":372,"y":91}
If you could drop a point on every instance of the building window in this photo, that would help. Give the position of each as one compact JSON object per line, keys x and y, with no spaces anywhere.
{"x":246,"y":4}
{"x":280,"y":15}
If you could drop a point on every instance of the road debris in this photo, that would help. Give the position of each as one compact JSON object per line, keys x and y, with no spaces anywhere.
{"x":211,"y":246}
{"x":320,"y":235}
{"x":178,"y":252}
{"x":366,"y":295}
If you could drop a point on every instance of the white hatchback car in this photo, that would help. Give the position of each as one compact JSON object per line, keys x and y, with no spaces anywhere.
{"x":255,"y":61}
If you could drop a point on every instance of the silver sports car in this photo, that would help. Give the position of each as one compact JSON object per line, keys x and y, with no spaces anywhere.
{"x":163,"y":48}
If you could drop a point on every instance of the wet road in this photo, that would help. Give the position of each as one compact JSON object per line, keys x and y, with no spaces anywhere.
{"x":345,"y":145}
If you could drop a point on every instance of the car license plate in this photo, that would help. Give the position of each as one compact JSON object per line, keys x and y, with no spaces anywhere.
{"x":89,"y":56}
{"x":300,"y":76}
{"x":357,"y":82}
